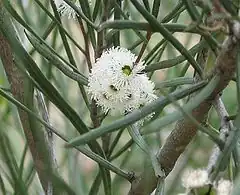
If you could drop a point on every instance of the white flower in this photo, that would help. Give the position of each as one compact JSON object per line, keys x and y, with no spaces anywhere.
{"x":224,"y":187}
{"x":66,"y":10}
{"x":195,"y":178}
{"x":117,"y":83}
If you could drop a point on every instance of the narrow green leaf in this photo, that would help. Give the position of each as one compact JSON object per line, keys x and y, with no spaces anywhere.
{"x":193,"y":12}
{"x":230,"y":7}
{"x":26,"y":16}
{"x":60,"y":186}
{"x":44,"y":51}
{"x":211,"y":132}
{"x":30,"y":174}
{"x":49,"y":90}
{"x":2,"y":185}
{"x":103,"y":162}
{"x":138,"y":139}
{"x":16,"y":16}
{"x":156,"y":125}
{"x":96,"y":185}
{"x":85,"y":151}
{"x":63,"y":36}
{"x":173,"y":62}
{"x":106,"y":178}
{"x":180,"y":74}
{"x":24,"y":155}
{"x":11,"y":163}
{"x":121,"y":12}
{"x":22,"y":22}
{"x":47,"y":32}
{"x":96,"y":10}
{"x":174,"y":82}
{"x":156,"y":7}
{"x":86,"y":10}
{"x":135,"y":45}
{"x":115,"y":142}
{"x":23,"y":107}
{"x":132,"y":117}
{"x":129,"y":24}
{"x":168,"y":36}
{"x":146,"y":4}
{"x":238,"y":77}
{"x":177,"y":10}
{"x":156,"y":49}
{"x":84,"y":17}
{"x":122,"y":150}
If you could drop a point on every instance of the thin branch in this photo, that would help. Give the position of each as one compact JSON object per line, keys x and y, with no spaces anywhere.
{"x":17,"y":83}
{"x":48,"y":138}
{"x":86,"y":42}
{"x":226,"y":125}
{"x":144,"y":46}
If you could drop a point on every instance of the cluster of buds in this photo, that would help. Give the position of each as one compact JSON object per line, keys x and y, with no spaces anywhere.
{"x":199,"y":178}
{"x":66,"y":10}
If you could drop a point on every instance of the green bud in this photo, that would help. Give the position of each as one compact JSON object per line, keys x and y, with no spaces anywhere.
{"x":127,"y":70}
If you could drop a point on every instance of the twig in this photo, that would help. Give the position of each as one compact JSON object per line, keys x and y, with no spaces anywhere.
{"x":224,"y":131}
{"x":85,"y":37}
{"x":48,"y":138}
{"x":144,"y":46}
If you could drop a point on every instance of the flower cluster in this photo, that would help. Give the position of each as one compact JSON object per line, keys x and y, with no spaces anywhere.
{"x":197,"y":178}
{"x":118,"y":84}
{"x":66,"y":10}
{"x":224,"y":187}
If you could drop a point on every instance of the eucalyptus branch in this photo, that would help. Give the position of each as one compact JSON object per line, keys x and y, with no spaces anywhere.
{"x":185,"y":130}
{"x":17,"y":83}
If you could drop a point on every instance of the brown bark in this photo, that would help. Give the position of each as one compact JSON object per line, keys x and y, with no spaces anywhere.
{"x":16,"y":81}
{"x":185,"y":130}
